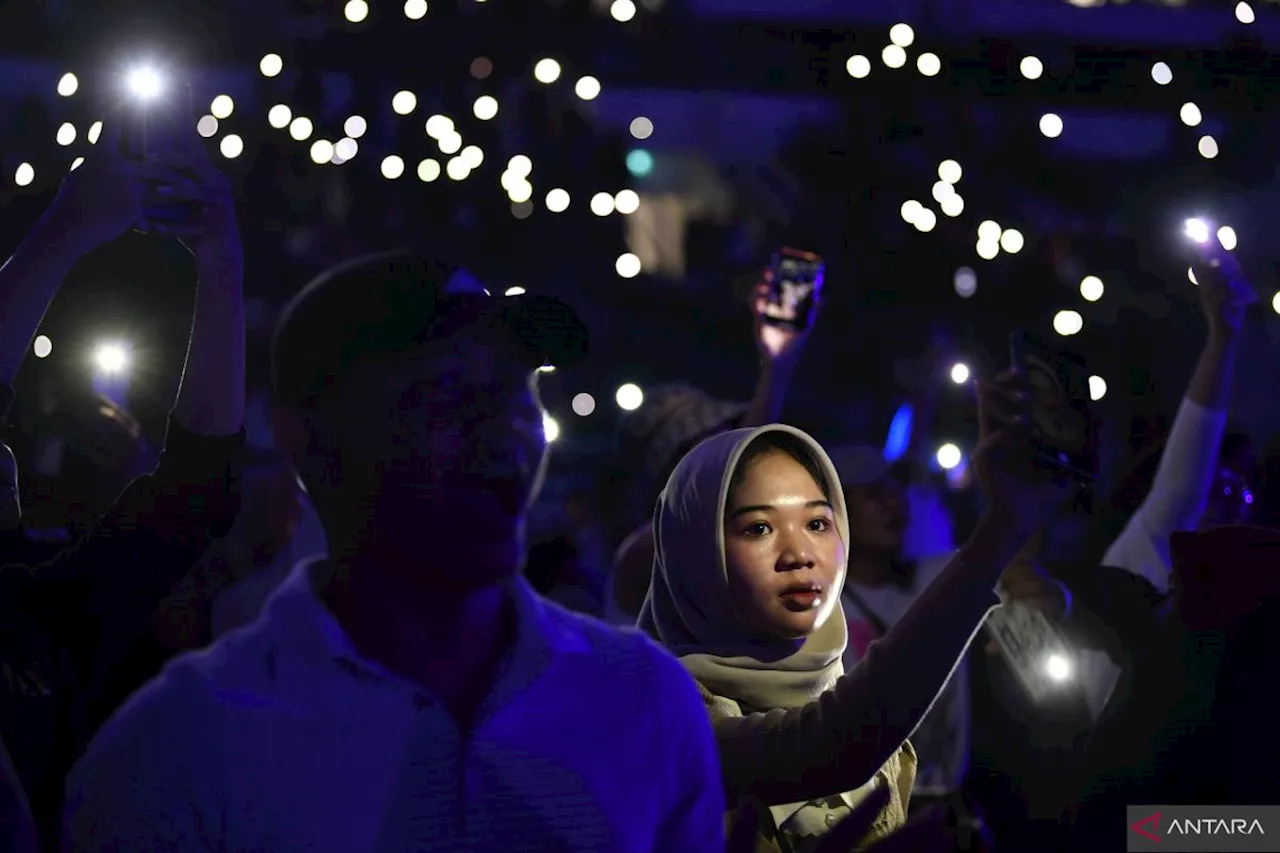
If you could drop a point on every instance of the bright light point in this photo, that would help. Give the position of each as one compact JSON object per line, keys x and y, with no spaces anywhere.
{"x":450,"y":143}
{"x":144,"y":82}
{"x":355,"y":127}
{"x":322,"y":151}
{"x":627,"y":265}
{"x":550,"y":428}
{"x":345,"y":148}
{"x":989,"y":231}
{"x":952,"y":205}
{"x":959,"y":373}
{"x":1190,"y":114}
{"x":520,"y":166}
{"x":910,"y":210}
{"x":76,"y":164}
{"x":1227,"y":237}
{"x":641,"y":128}
{"x":24,"y":175}
{"x":893,"y":56}
{"x":925,"y":220}
{"x":279,"y":116}
{"x":1051,"y":125}
{"x":231,"y":146}
{"x":602,"y":204}
{"x":928,"y":64}
{"x":356,"y":11}
{"x":66,"y":134}
{"x":948,"y":456}
{"x":942,"y":190}
{"x":271,"y":65}
{"x":67,"y":86}
{"x":392,"y":167}
{"x":902,"y":35}
{"x":546,"y":71}
{"x":988,"y":249}
{"x":622,"y":10}
{"x":1012,"y":241}
{"x":557,"y":201}
{"x":1208,"y":147}
{"x":222,"y":106}
{"x":1091,"y":288}
{"x":473,"y":156}
{"x":207,"y":126}
{"x":1162,"y":74}
{"x":858,"y":66}
{"x":1031,"y":67}
{"x":514,"y":291}
{"x":627,"y":202}
{"x":1275,"y":302}
{"x":403,"y":102}
{"x":1244,"y":13}
{"x":485,"y":107}
{"x":1191,"y":276}
{"x":457,"y":169}
{"x":1097,"y":388}
{"x":415,"y":10}
{"x":583,"y":404}
{"x":1057,"y":667}
{"x":950,"y":171}
{"x":1067,"y":323}
{"x":42,"y":346}
{"x":439,"y":126}
{"x":300,"y":128}
{"x":95,"y":130}
{"x":428,"y":170}
{"x":587,"y":88}
{"x":520,"y":192}
{"x":1197,"y":230}
{"x":965,"y":282}
{"x":629,"y":397}
{"x":111,"y":358}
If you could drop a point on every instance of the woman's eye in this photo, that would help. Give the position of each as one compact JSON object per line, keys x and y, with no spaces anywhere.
{"x":757,"y":529}
{"x":820,"y":524}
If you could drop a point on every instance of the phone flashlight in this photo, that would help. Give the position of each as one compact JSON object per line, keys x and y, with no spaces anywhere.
{"x":1058,"y":667}
{"x":1197,"y":230}
{"x":144,"y":83}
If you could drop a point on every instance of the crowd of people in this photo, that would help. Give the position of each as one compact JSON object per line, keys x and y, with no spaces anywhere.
{"x":335,"y":645}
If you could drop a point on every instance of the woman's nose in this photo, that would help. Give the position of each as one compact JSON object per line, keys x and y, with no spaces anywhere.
{"x":796,"y":553}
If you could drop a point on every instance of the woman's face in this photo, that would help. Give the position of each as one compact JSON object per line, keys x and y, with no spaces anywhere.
{"x":783,"y":553}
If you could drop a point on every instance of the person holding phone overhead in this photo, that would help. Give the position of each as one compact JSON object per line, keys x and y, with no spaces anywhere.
{"x":751,"y":535}
{"x":82,"y":608}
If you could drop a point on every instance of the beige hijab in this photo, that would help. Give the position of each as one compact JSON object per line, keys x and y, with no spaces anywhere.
{"x":688,"y":608}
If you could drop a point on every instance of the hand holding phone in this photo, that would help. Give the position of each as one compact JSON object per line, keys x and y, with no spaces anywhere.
{"x":1225,"y":292}
{"x":1062,"y":426}
{"x":159,"y":122}
{"x":792,"y":288}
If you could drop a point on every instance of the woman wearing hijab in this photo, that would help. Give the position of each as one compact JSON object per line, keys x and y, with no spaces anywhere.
{"x":751,"y":536}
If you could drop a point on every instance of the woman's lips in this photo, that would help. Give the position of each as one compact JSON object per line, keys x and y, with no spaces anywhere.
{"x":801,"y":600}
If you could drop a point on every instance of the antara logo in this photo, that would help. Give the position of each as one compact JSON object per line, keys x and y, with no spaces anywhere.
{"x":1149,"y":827}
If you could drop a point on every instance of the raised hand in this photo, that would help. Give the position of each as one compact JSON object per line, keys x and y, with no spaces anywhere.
{"x":1225,"y":292}
{"x":778,"y":343}
{"x":183,"y":195}
{"x":100,"y":200}
{"x":1018,"y":494}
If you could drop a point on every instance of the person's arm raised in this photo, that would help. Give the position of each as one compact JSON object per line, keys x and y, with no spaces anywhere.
{"x":838,"y":741}
{"x":780,"y":349}
{"x":96,"y":204}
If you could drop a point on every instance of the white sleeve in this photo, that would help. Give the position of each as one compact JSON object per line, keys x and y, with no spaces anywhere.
{"x":147,"y":782}
{"x":1177,"y":497}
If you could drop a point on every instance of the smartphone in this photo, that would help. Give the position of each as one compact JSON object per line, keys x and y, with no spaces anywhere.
{"x":163,"y":122}
{"x":1062,"y":424}
{"x":794,"y":280}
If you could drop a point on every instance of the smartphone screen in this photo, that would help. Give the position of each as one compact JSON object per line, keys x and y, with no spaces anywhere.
{"x":794,"y":280}
{"x":1062,"y":423}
